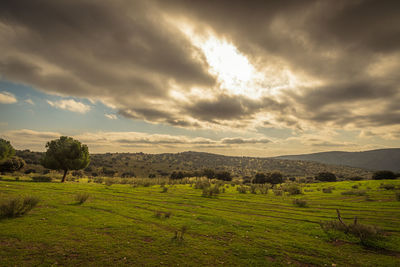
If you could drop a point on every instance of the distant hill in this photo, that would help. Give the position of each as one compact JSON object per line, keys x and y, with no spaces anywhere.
{"x":143,"y":165}
{"x":380,"y":159}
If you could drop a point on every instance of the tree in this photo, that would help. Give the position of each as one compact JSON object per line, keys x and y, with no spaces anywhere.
{"x":326,"y":177}
{"x":6,"y":150}
{"x":380,"y":175}
{"x":66,"y":154}
{"x":275,"y":178}
{"x":224,"y":176}
{"x":260,"y":178}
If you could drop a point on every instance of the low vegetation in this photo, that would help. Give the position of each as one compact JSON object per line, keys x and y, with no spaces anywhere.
{"x":17,"y":206}
{"x":81,"y":198}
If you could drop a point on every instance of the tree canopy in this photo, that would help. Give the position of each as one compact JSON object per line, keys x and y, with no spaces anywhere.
{"x":66,"y":154}
{"x":380,"y":175}
{"x":326,"y":177}
{"x":6,"y":149}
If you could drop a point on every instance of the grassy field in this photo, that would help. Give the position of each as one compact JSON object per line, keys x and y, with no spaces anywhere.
{"x":125,"y":225}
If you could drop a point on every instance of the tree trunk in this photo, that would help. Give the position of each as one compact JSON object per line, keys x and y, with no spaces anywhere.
{"x":65,"y":174}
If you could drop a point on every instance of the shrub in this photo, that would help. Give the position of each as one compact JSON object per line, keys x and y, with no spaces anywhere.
{"x":98,"y":180}
{"x":81,"y":198}
{"x":263,"y":188}
{"x":253,"y":189}
{"x":380,"y":175}
{"x":277,"y":192}
{"x":201,"y":184}
{"x":356,"y":178}
{"x":242,"y":189}
{"x":42,"y":179}
{"x":300,"y":203}
{"x":326,"y":177}
{"x":292,"y":189}
{"x":355,"y":186}
{"x":16,"y":207}
{"x":327,"y":190}
{"x":388,"y":186}
{"x":398,"y":196}
{"x":355,"y":192}
{"x":367,"y":234}
{"x":109,"y":182}
{"x":211,"y":191}
{"x":275,"y":178}
{"x":164,"y":189}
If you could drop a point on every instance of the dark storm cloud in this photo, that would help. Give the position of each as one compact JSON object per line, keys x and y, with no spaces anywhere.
{"x":96,"y":48}
{"x":334,"y":41}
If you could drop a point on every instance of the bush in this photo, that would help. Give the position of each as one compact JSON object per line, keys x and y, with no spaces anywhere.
{"x":242,"y":189}
{"x":277,"y":192}
{"x":12,"y":164}
{"x":263,"y":188}
{"x":211,"y":191}
{"x":109,"y":182}
{"x":326,"y":177}
{"x":327,"y":190}
{"x":98,"y":180}
{"x":381,"y":175}
{"x":388,"y":186}
{"x":367,"y":234}
{"x":42,"y":179}
{"x":164,"y":189}
{"x":356,"y":178}
{"x":81,"y":198}
{"x":355,"y":186}
{"x":275,"y":178}
{"x":253,"y":189}
{"x":300,"y":203}
{"x":16,"y":207}
{"x":292,"y":189}
{"x":355,"y":192}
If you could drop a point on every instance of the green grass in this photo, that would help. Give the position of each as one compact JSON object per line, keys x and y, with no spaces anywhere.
{"x":118,"y":226}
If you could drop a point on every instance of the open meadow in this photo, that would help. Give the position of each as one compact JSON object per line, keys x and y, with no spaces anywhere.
{"x":153,"y":226}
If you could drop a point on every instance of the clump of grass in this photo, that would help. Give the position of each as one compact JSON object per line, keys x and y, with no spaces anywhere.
{"x":398,"y":196}
{"x":277,"y":192}
{"x":16,"y":207}
{"x":242,"y":189}
{"x":355,"y":193}
{"x":388,"y":186}
{"x":98,"y":180}
{"x":42,"y":179}
{"x":300,"y":203}
{"x":367,"y":234}
{"x":201,"y":184}
{"x":81,"y":198}
{"x":263,"y":188}
{"x":355,"y":186}
{"x":162,"y":214}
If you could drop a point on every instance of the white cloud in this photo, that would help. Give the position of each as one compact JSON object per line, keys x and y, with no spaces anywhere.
{"x":7,"y":98}
{"x":29,"y":101}
{"x":111,"y":116}
{"x":70,"y":105}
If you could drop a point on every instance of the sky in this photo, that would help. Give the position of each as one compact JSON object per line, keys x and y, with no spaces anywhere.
{"x":242,"y":78}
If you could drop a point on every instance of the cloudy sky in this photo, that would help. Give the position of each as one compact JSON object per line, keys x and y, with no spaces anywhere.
{"x":254,"y":78}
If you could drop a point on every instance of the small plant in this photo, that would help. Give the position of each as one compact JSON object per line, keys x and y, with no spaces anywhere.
{"x":355,"y":193}
{"x":41,"y":179}
{"x":162,"y":214}
{"x":300,"y":203}
{"x":179,"y":234}
{"x":16,"y":207}
{"x":81,"y":198}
